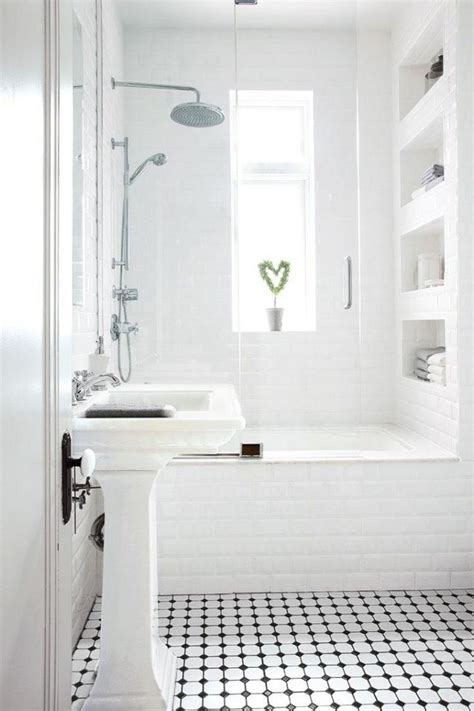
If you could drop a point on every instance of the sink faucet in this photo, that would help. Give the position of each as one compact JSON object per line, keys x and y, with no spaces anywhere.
{"x":81,"y":387}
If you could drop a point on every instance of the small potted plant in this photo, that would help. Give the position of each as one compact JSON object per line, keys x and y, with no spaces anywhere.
{"x":276,"y":285}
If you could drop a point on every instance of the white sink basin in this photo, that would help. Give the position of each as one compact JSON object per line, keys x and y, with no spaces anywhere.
{"x":136,"y":670}
{"x":206,"y":418}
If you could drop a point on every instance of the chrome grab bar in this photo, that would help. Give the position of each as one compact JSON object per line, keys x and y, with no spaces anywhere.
{"x":348,"y":288}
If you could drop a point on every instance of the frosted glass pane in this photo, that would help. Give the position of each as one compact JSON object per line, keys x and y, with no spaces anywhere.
{"x":270,"y":133}
{"x":271,"y":225}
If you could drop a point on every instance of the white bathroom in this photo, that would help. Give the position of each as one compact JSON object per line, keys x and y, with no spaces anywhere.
{"x":237,"y":355}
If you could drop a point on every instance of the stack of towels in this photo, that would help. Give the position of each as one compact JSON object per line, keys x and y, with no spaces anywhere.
{"x":430,"y":365}
{"x":431,"y":177}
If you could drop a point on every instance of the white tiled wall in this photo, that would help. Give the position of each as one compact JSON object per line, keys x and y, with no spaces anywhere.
{"x":85,"y":316}
{"x":286,"y":526}
{"x":434,"y":412}
{"x":86,"y":561}
{"x":84,"y":566}
{"x":314,"y":526}
{"x":180,"y":218}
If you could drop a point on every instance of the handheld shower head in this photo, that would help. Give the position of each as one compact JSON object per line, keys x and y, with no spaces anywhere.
{"x":159,"y":159}
{"x":196,"y":114}
{"x":156,"y":159}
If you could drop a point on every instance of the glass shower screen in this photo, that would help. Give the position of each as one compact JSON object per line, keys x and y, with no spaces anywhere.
{"x":295,"y":225}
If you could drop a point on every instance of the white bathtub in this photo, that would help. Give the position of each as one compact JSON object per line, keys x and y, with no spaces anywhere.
{"x":374,"y":442}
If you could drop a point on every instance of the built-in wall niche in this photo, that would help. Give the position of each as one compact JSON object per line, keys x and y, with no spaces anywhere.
{"x":419,"y":156}
{"x":429,"y":242}
{"x":417,"y":334}
{"x":416,"y":80}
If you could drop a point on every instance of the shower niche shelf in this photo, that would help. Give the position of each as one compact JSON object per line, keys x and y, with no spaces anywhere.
{"x":416,"y":63}
{"x":423,"y":210}
{"x":416,"y":334}
{"x":426,"y":239}
{"x":423,"y":151}
{"x":430,"y":108}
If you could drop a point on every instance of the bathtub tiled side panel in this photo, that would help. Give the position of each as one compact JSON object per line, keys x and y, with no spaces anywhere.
{"x":317,"y":526}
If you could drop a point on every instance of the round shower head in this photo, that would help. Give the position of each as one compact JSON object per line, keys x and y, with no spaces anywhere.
{"x":197,"y":115}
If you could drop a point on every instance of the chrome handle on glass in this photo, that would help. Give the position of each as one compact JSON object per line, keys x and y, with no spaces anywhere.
{"x":348,"y":283}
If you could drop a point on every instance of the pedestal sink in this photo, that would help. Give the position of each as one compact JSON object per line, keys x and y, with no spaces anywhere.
{"x":136,"y":670}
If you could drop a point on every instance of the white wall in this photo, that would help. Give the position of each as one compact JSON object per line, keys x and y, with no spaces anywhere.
{"x":86,"y":560}
{"x":181,"y":224}
{"x":433,"y":412}
{"x":85,"y":316}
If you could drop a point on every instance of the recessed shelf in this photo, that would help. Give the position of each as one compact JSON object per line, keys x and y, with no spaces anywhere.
{"x":417,"y":334}
{"x":424,"y":50}
{"x":423,"y":210}
{"x":423,"y":151}
{"x":428,"y":239}
{"x":424,"y":383}
{"x":420,"y":127}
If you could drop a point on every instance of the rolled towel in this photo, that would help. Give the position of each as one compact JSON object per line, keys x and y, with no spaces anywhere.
{"x":421,"y":364}
{"x":439,"y":379}
{"x":435,"y":169}
{"x":425,"y":353}
{"x":437,"y":358}
{"x":422,"y":374}
{"x":437,"y":370}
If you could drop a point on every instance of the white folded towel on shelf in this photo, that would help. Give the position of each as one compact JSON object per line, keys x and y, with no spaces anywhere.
{"x":427,"y":353}
{"x":422,"y":374}
{"x":437,"y":370}
{"x":421,"y":364}
{"x":434,"y":378}
{"x":437,"y":358}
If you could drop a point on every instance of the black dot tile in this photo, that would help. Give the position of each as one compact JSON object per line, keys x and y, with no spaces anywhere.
{"x":355,"y":651}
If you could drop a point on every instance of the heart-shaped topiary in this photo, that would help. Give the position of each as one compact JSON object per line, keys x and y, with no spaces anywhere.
{"x":267,"y":267}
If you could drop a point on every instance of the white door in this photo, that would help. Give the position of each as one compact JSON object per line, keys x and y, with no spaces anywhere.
{"x":35,"y":234}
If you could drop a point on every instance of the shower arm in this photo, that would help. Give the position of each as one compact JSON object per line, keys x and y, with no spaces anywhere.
{"x":141,"y":85}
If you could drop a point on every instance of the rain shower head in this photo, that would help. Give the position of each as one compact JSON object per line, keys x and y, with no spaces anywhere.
{"x":195,"y":114}
{"x":156,"y":159}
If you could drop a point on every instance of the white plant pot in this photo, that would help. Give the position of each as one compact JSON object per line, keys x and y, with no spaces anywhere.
{"x":275,"y":318}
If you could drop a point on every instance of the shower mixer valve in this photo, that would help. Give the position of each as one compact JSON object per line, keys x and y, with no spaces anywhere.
{"x":117,"y":328}
{"x":125,"y":294}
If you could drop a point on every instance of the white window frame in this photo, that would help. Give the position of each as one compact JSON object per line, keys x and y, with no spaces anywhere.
{"x":299,"y":172}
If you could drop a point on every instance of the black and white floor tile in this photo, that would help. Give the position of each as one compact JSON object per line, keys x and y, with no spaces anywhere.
{"x":390,"y":651}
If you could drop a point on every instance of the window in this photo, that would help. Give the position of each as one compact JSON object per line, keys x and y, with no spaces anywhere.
{"x":273,"y":205}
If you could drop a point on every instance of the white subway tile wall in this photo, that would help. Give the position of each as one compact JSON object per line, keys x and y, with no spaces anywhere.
{"x":84,"y":317}
{"x":319,"y":526}
{"x":433,"y":412}
{"x":314,"y":526}
{"x":182,"y":232}
{"x":86,"y":561}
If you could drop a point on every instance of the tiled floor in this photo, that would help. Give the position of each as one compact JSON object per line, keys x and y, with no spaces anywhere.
{"x":320,"y":651}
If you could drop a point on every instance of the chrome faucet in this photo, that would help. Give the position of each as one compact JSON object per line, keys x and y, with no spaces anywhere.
{"x":81,"y":387}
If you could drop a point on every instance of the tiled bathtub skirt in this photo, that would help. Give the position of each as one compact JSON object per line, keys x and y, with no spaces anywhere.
{"x":319,"y":651}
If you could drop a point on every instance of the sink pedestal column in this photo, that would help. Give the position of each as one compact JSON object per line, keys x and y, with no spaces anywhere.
{"x":136,"y":670}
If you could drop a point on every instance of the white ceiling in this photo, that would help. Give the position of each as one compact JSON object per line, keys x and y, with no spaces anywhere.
{"x":268,"y":14}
